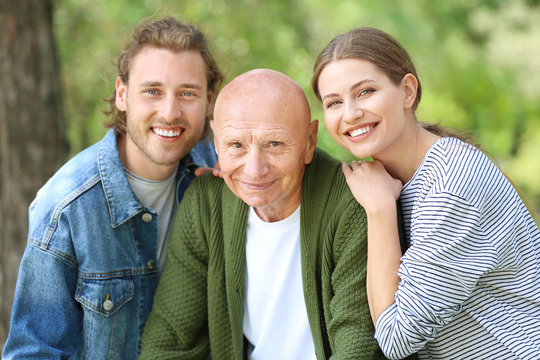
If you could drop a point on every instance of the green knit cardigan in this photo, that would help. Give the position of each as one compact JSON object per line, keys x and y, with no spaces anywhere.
{"x":198,"y":307}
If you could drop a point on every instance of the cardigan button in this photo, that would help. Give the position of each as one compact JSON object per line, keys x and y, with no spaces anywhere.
{"x":147,"y":217}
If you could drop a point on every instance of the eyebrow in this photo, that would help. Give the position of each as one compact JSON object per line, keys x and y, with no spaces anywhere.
{"x":159,"y":84}
{"x":354,"y":86}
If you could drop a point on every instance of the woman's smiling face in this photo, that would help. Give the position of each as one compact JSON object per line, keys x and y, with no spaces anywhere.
{"x":363,"y":110}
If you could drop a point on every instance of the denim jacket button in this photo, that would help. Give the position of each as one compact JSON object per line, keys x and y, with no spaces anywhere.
{"x":108,"y":305}
{"x":147,"y":217}
{"x":151,"y":264}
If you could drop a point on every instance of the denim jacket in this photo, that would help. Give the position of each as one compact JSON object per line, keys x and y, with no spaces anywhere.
{"x":88,"y":274}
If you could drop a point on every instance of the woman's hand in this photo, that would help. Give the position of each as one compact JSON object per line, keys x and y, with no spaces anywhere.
{"x":216,"y":170}
{"x":372,"y":186}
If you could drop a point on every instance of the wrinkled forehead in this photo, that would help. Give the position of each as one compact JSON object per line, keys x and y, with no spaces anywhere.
{"x":259,"y":128}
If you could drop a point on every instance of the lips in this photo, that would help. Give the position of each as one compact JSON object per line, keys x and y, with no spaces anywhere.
{"x":257,"y":186}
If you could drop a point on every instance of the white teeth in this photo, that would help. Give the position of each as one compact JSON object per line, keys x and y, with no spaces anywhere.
{"x":167,"y":133}
{"x":357,"y":132}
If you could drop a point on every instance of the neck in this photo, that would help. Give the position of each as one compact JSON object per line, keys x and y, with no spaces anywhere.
{"x":407,"y":154}
{"x":273,"y":214}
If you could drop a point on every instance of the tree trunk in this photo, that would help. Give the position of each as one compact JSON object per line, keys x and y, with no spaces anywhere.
{"x":32,"y":128}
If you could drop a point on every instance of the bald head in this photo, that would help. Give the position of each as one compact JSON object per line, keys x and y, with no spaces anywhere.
{"x":263,"y":89}
{"x":264,"y":138}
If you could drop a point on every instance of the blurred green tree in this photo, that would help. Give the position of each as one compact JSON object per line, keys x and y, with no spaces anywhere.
{"x":477,"y":59}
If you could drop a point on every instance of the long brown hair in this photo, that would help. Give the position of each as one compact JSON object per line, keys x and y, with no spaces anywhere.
{"x":166,"y":33}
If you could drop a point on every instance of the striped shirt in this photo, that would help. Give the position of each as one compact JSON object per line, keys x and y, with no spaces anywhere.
{"x":470,"y":280}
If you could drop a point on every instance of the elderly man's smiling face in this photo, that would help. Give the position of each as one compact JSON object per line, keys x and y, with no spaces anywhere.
{"x":264,"y":139}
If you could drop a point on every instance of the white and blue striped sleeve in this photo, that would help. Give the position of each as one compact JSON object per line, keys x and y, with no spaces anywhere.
{"x":439,"y":272}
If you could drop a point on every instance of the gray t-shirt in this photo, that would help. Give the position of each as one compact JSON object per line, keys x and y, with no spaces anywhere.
{"x":158,"y":195}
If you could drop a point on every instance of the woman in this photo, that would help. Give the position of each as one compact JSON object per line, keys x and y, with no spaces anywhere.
{"x":468,"y":287}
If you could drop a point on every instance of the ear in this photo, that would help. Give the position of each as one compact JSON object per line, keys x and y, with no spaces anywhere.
{"x":210,"y":101}
{"x":409,"y":86}
{"x":313,"y":129}
{"x":121,"y":94}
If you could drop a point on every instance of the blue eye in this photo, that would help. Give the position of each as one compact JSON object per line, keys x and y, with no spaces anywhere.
{"x":152,"y":91}
{"x":187,"y":93}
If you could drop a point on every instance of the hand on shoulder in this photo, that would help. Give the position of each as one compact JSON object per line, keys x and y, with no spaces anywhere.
{"x":372,"y":186}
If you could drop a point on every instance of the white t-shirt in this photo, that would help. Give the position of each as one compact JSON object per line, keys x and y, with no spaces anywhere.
{"x":275,"y":316}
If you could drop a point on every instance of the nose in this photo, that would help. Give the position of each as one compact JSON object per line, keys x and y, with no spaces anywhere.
{"x":170,"y":108}
{"x":352,"y":112}
{"x":256,"y":165}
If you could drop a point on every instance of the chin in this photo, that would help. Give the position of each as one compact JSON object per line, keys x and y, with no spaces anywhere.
{"x":360,"y":153}
{"x":255,"y":202}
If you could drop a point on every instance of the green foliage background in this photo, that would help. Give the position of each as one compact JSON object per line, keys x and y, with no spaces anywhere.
{"x":478,"y":60}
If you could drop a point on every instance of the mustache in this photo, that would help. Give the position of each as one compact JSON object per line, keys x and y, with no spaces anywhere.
{"x":169,"y":123}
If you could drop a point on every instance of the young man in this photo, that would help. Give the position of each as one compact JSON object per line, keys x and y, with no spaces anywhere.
{"x":99,"y":227}
{"x":271,"y":262}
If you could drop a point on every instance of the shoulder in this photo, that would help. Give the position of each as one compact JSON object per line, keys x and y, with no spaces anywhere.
{"x":203,"y":153}
{"x":80,"y":171}
{"x":208,"y":214}
{"x":326,"y":197}
{"x":206,"y":185}
{"x":456,"y":155}
{"x":76,"y":178}
{"x":86,"y":169}
{"x":455,"y":167}
{"x":324,"y":177}
{"x":208,"y":194}
{"x":322,"y":160}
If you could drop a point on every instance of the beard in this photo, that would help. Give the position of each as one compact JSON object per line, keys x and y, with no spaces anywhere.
{"x":162,"y":153}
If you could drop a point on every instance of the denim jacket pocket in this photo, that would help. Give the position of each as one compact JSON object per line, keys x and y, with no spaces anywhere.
{"x":108,"y":308}
{"x":104,"y":296}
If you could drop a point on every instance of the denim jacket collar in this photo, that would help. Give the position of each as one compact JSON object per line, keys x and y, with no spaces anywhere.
{"x":122,"y":203}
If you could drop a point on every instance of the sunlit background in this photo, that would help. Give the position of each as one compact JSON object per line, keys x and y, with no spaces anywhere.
{"x":478,"y":60}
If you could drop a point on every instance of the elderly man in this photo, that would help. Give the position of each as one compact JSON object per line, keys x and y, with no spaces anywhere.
{"x":271,"y":262}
